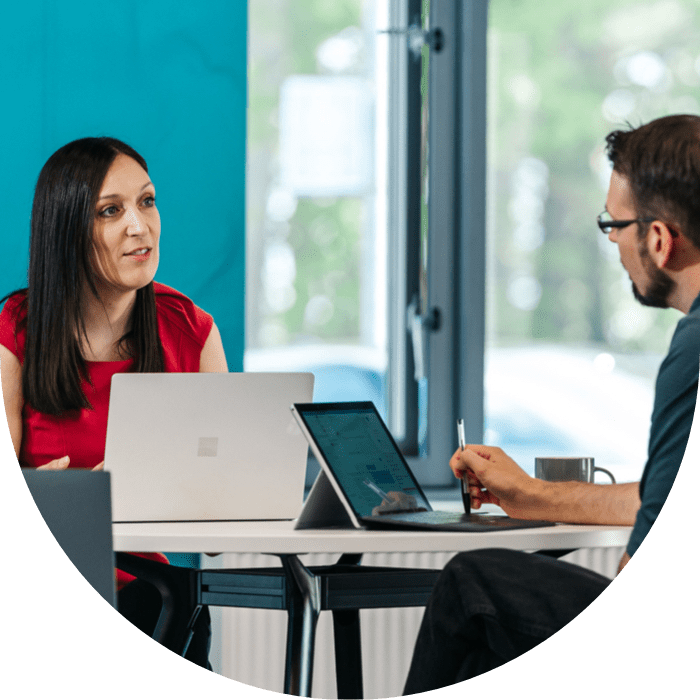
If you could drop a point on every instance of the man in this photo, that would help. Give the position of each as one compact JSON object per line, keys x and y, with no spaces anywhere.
{"x":490,"y":606}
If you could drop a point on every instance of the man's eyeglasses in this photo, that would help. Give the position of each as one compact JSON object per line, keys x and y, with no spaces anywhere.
{"x":606,"y":223}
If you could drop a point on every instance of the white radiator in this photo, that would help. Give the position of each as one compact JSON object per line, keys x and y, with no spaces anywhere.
{"x":249,"y":645}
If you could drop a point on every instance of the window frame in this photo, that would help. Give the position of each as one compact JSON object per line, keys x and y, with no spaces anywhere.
{"x":456,"y":276}
{"x":425,"y":420}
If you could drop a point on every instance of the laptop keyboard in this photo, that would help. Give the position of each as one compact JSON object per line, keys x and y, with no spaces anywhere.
{"x":451,"y":521}
{"x":440,"y":517}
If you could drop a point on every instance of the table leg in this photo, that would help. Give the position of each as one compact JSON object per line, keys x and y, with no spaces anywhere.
{"x":303,"y":611}
{"x":348,"y":644}
{"x":349,"y":559}
{"x":348,"y":653}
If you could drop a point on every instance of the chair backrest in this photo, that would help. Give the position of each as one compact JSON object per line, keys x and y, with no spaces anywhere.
{"x":76,"y":505}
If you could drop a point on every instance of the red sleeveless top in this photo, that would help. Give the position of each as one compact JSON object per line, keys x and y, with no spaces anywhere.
{"x":81,"y":434}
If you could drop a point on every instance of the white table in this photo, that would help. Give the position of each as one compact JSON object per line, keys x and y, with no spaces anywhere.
{"x":343,"y":588}
{"x":281,"y":538}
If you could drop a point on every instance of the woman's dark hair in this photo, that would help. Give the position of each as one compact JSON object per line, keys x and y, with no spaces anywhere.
{"x":661,"y":161}
{"x":60,"y":270}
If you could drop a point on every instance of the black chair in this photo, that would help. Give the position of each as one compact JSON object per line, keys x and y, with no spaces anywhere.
{"x":179,"y":589}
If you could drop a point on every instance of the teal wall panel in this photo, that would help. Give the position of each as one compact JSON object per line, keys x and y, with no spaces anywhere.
{"x":169,"y":78}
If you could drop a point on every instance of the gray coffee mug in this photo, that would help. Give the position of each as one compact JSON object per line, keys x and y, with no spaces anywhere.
{"x":568,"y":469}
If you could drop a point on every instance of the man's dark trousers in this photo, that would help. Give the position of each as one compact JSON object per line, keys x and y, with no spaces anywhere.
{"x":491,"y":605}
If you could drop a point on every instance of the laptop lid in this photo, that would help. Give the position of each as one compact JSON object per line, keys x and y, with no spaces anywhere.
{"x":360,"y":461}
{"x":206,"y":446}
{"x":76,"y":506}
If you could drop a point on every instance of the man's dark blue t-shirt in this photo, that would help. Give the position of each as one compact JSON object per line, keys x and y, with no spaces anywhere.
{"x":671,"y":419}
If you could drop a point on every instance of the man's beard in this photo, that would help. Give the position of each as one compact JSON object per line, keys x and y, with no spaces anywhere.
{"x":660,"y":284}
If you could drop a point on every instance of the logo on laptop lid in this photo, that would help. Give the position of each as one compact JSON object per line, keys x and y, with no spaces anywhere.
{"x":208,"y":447}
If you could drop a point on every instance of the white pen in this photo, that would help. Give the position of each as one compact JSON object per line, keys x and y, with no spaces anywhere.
{"x":460,"y":434}
{"x":382,"y":494}
{"x":465,"y":480}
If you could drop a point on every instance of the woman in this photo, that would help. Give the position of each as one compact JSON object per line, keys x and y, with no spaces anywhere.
{"x":92,"y":309}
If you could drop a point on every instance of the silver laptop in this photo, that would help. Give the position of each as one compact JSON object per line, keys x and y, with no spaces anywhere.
{"x":365,"y":480}
{"x":206,"y":446}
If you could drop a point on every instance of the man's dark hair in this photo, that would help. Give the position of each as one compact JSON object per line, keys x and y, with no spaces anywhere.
{"x":60,"y":271}
{"x":661,"y":161}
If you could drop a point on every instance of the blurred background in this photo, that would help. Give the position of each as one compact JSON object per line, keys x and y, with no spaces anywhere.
{"x":570,"y":356}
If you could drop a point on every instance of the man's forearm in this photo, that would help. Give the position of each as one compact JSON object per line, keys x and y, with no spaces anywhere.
{"x":584,"y":503}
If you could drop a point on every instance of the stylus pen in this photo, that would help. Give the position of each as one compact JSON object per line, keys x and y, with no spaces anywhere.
{"x":382,"y":494}
{"x":465,"y":480}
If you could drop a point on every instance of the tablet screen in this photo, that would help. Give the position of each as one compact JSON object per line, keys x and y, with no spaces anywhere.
{"x":363,"y":457}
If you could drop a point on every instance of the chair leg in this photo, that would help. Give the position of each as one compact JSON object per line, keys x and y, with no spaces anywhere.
{"x":348,"y":653}
{"x":175,"y":626}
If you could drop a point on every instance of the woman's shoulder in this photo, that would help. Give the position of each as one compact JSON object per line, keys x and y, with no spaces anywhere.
{"x":169,"y":296}
{"x":15,"y":303}
{"x":13,"y":319}
{"x":179,"y":311}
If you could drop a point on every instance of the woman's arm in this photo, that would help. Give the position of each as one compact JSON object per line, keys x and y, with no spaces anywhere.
{"x":213,"y":358}
{"x":11,"y":379}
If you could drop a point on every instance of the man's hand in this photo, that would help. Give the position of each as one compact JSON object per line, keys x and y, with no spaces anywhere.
{"x":495,"y":478}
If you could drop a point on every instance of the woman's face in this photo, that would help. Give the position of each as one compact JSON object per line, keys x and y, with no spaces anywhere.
{"x":127,"y":228}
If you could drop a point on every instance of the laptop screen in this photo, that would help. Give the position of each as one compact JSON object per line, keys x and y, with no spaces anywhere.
{"x":364,"y":458}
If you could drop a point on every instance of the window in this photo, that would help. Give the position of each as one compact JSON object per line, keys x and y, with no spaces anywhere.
{"x":570,"y":355}
{"x":423,"y":180}
{"x":333,"y":207}
{"x":317,"y":293}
